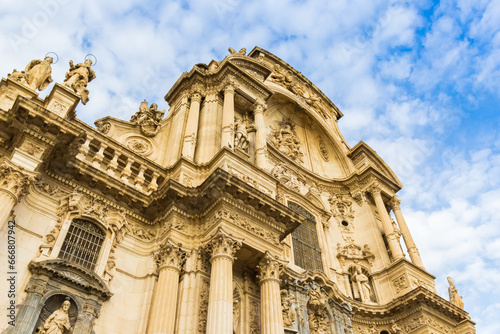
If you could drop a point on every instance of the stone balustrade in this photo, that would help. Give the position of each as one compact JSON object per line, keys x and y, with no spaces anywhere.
{"x":120,"y":165}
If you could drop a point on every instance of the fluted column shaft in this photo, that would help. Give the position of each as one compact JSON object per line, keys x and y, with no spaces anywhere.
{"x":163,"y":310}
{"x":271,"y":316}
{"x":260,"y":136}
{"x":405,"y":231}
{"x":228,"y":117}
{"x":192,"y":127}
{"x":394,"y":246}
{"x":220,"y":300}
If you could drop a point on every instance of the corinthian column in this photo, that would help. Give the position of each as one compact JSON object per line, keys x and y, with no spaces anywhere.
{"x":260,"y":136}
{"x":405,"y":231}
{"x":192,"y":127}
{"x":13,"y":185}
{"x":162,"y":316}
{"x":220,"y":300}
{"x":394,"y":246}
{"x":228,"y":117}
{"x":271,"y":316}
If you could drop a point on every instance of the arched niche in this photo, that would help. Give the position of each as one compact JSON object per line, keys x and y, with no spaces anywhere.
{"x":361,"y":284}
{"x":52,"y":304}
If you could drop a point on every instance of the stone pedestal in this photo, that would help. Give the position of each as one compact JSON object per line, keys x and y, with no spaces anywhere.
{"x":220,"y":300}
{"x":270,"y":299}
{"x":10,"y":90}
{"x":62,"y":101}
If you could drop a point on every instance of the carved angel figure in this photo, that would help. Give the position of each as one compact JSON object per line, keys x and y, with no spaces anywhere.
{"x":57,"y":322}
{"x":36,"y":75}
{"x":78,"y":77}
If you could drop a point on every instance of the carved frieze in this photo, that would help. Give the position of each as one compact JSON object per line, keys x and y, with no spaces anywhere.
{"x":353,"y":252}
{"x":286,"y":140}
{"x":317,"y":314}
{"x":289,"y":315}
{"x":400,"y":283}
{"x":249,"y":180}
{"x":203,"y":310}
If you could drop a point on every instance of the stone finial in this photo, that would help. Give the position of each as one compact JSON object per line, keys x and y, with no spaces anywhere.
{"x":78,"y":77}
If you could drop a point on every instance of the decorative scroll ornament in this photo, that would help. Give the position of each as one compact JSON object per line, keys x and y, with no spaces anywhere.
{"x":323,"y":150}
{"x":286,"y":79}
{"x":354,"y":252}
{"x":286,"y":140}
{"x":78,"y":77}
{"x":287,"y":176}
{"x":317,"y":313}
{"x":289,"y":315}
{"x":103,"y":127}
{"x":36,"y":75}
{"x":148,"y":119}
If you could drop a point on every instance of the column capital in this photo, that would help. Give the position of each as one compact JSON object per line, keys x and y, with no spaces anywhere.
{"x":259,"y":106}
{"x":171,"y":256}
{"x":222,"y":244}
{"x":269,"y":268}
{"x":229,"y":87}
{"x":375,"y":189}
{"x":196,"y":96}
{"x":14,"y":180}
{"x":394,"y":203}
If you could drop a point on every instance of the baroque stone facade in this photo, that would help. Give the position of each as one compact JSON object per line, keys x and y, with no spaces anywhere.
{"x":242,"y":211}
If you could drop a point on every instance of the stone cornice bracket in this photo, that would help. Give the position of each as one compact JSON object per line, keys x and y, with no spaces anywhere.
{"x":170,"y":256}
{"x":270,"y":268}
{"x":223,"y":245}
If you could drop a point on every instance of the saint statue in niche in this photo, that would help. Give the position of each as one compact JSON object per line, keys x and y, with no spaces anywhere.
{"x":57,"y":322}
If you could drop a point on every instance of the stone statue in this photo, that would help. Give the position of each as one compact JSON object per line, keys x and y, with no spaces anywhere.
{"x":78,"y":77}
{"x":286,"y":308}
{"x":57,"y":322}
{"x":36,"y":75}
{"x":455,"y":298}
{"x":242,"y":51}
{"x":241,"y":135}
{"x":364,"y":286}
{"x":148,"y":118}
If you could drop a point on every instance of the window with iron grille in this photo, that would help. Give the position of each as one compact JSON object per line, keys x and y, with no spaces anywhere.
{"x":83,"y":243}
{"x":306,"y":251}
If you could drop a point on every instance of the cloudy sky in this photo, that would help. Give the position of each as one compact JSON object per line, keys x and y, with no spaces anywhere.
{"x":419,"y":81}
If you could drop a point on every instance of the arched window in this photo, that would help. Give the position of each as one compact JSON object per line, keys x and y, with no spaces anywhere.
{"x":306,"y":251}
{"x":82,"y":244}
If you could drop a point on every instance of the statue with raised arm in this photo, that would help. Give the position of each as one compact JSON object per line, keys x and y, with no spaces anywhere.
{"x":36,"y":75}
{"x":78,"y":77}
{"x":57,"y":322}
{"x":455,"y":298}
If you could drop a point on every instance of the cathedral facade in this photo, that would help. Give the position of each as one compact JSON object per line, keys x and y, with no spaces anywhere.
{"x":241,"y":210}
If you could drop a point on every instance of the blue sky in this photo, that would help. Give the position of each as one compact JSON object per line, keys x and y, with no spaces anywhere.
{"x":419,"y":81}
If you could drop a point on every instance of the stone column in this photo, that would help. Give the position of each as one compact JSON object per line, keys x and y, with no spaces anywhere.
{"x":192,"y":126}
{"x":85,"y":322}
{"x":271,"y":316}
{"x":162,"y":316}
{"x":228,"y":117}
{"x":30,"y":309}
{"x":13,"y":185}
{"x":394,"y":246}
{"x":260,"y":137}
{"x":405,"y":231}
{"x":220,"y":300}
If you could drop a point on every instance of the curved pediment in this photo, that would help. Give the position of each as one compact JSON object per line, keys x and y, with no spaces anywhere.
{"x":72,"y":275}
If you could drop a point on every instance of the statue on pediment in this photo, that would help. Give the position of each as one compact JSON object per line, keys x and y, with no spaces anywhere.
{"x":36,"y":75}
{"x":455,"y":298}
{"x":148,"y":118}
{"x":78,"y":77}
